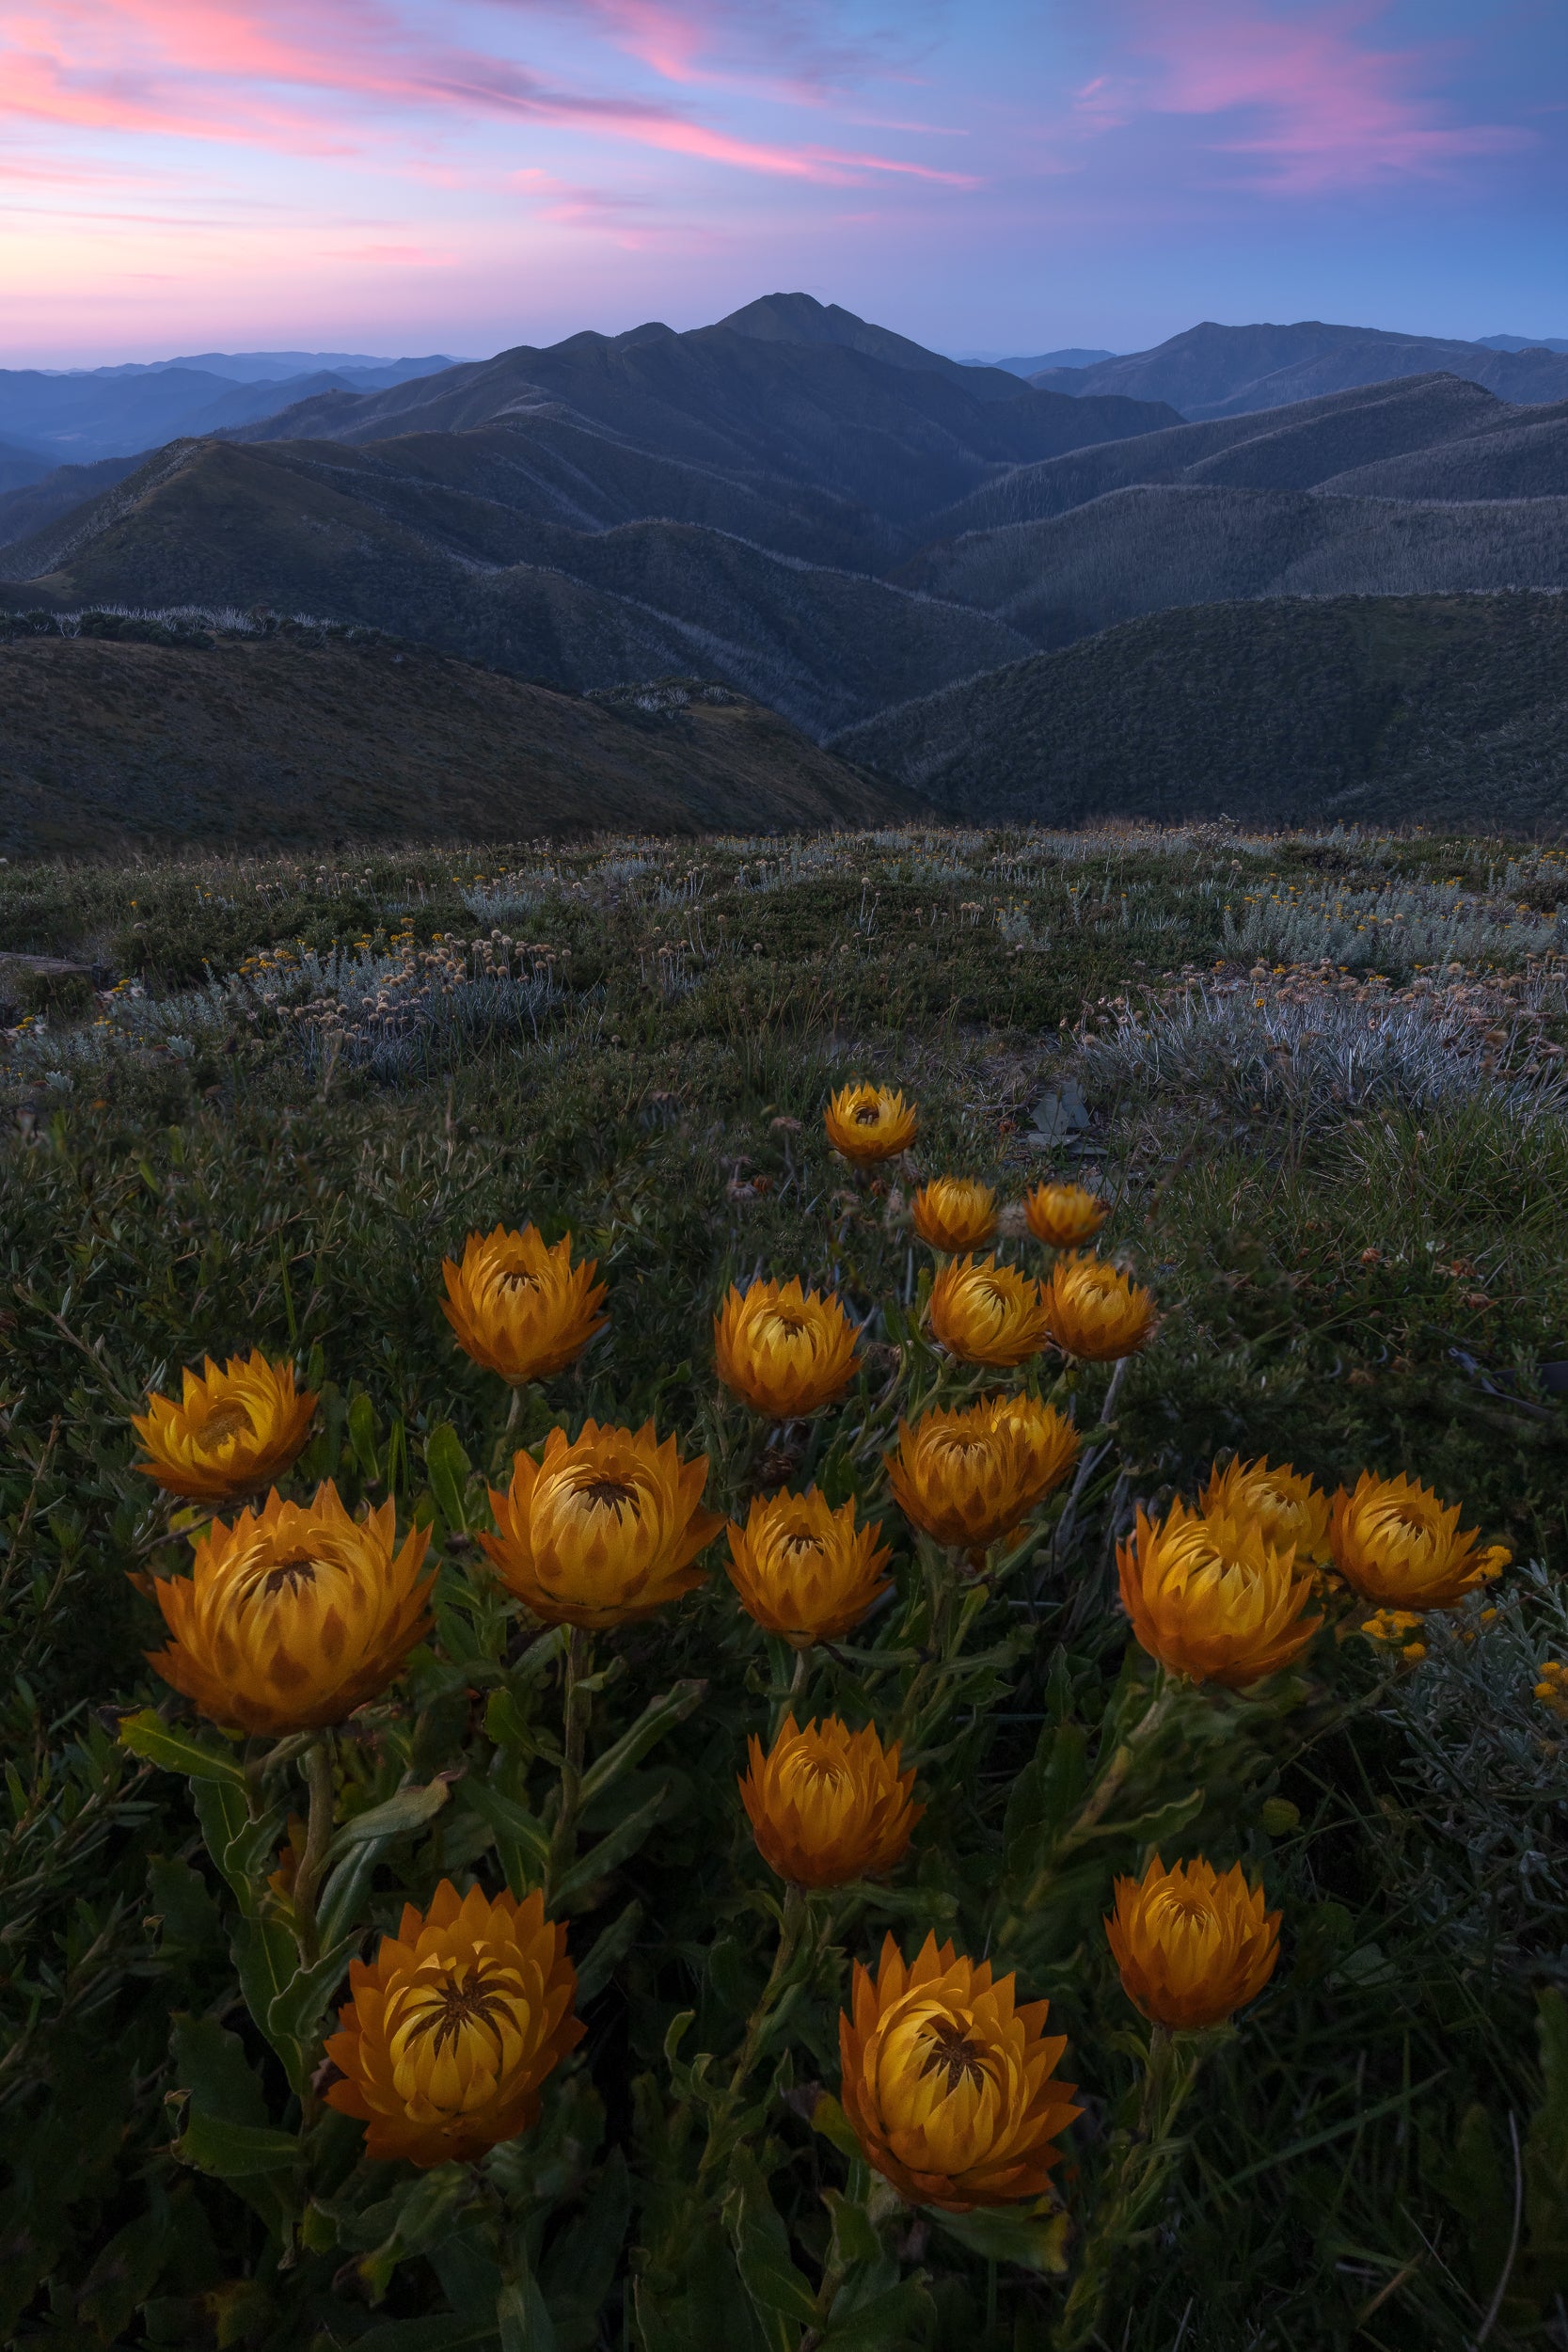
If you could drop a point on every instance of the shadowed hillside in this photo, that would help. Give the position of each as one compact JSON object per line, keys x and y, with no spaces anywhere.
{"x":1141,"y":549}
{"x":348,"y":535}
{"x":306,"y":737}
{"x":1399,"y":710}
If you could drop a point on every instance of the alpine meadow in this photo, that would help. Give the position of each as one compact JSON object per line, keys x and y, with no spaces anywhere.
{"x":784,"y":1177}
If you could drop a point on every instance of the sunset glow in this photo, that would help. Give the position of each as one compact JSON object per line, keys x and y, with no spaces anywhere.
{"x":411,"y":175}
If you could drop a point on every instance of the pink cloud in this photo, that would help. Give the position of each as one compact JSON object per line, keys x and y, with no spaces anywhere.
{"x":1308,"y":99}
{"x":208,"y":69}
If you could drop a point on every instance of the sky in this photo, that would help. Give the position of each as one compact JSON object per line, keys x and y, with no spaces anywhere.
{"x":1011,"y":176}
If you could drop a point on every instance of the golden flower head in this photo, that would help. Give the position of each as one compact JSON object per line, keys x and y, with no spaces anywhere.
{"x":949,"y":2087}
{"x":1289,"y":1507}
{"x":520,"y":1308}
{"x":1552,"y":1689}
{"x":1210,"y":1600}
{"x":967,"y":1477}
{"x":986,"y":1314}
{"x":604,"y":1528}
{"x":867,"y":1122}
{"x":953,"y":1214}
{"x":805,"y":1570}
{"x":232,"y":1431}
{"x":454,"y":2026}
{"x":293,"y":1616}
{"x":828,"y":1804}
{"x":1398,"y":1545}
{"x":1064,"y":1216}
{"x":1094,"y":1312}
{"x":1193,"y":1946}
{"x":785,"y":1350}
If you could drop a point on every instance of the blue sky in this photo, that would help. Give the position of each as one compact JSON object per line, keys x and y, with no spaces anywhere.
{"x":415,"y":175}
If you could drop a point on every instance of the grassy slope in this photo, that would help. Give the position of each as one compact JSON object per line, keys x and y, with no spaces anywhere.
{"x":1403,"y":710}
{"x":268,"y":737}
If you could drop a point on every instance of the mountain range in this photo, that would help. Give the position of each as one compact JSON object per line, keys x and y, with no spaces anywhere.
{"x":822,"y":515}
{"x":1214,"y":370}
{"x":84,"y":415}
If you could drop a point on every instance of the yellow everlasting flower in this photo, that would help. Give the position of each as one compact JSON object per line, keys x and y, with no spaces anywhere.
{"x":454,"y":2026}
{"x":785,"y":1350}
{"x":604,"y":1528}
{"x":968,"y":1477}
{"x":1193,"y":1946}
{"x":1289,"y":1508}
{"x":1094,"y":1312}
{"x":953,"y":1214}
{"x":805,"y":1570}
{"x":986,"y":1314}
{"x":1211,"y":1600}
{"x":950,"y":2089}
{"x":293,"y":1616}
{"x":1064,"y":1216}
{"x":867,"y":1122}
{"x":232,"y":1431}
{"x":828,"y":1804}
{"x":1399,"y":1545}
{"x":520,"y":1308}
{"x":1552,"y":1689}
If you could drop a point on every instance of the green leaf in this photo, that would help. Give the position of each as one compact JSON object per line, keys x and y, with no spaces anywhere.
{"x":894,"y":2320}
{"x":409,"y":1810}
{"x":235,"y":2152}
{"x":583,"y":2260}
{"x":1162,"y":1821}
{"x":607,"y":1951}
{"x":286,"y":2000}
{"x":829,"y":2117}
{"x":609,"y":1854}
{"x":783,"y":2298}
{"x":362,"y":1434}
{"x":448,"y":1469}
{"x":209,"y":2067}
{"x":521,"y":2317}
{"x":1036,"y":2238}
{"x":1044,"y":1797}
{"x":660,"y":1715}
{"x":147,"y":1735}
{"x":242,"y":1847}
{"x":522,"y":1840}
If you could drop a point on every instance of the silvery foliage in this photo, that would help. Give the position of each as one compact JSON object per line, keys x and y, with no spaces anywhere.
{"x":1475,"y":1850}
{"x":1407,"y":924}
{"x":1326,"y":1056}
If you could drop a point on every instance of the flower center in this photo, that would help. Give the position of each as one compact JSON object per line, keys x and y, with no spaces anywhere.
{"x":517,"y":1278}
{"x":295,"y":1574}
{"x":869,"y":1114}
{"x":794,"y":1542}
{"x":224,"y":1422}
{"x":953,"y":2053}
{"x":485,"y":1998}
{"x":608,"y":1494}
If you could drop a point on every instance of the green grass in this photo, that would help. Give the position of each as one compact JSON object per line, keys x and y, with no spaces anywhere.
{"x":1342,"y":1284}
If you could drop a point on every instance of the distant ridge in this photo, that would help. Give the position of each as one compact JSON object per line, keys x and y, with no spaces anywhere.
{"x":1214,"y":370}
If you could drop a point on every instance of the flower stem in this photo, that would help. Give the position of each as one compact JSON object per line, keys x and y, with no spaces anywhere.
{"x":1098,"y":1803}
{"x":576,"y":1705}
{"x":796,"y":1684}
{"x":790,"y":1928}
{"x":1139,"y":2161}
{"x":317,"y":1767}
